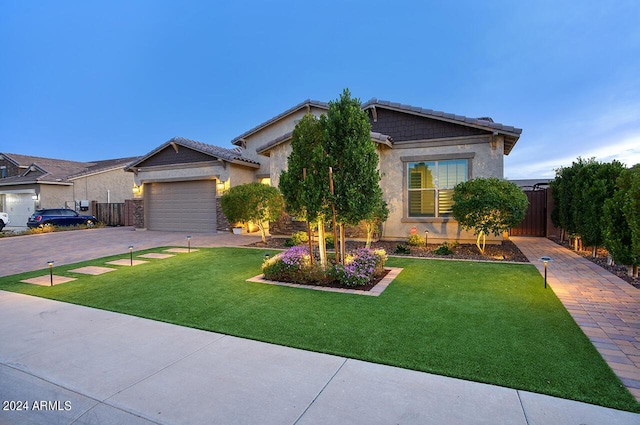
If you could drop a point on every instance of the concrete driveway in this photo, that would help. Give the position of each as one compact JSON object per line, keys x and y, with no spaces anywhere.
{"x":32,"y":252}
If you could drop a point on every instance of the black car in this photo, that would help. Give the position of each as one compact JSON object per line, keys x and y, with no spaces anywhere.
{"x":59,"y":217}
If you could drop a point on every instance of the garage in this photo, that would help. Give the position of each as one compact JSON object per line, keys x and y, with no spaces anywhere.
{"x":188,"y":206}
{"x":19,"y":206}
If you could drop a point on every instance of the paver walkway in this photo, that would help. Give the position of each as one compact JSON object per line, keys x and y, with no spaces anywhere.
{"x":606,"y":307}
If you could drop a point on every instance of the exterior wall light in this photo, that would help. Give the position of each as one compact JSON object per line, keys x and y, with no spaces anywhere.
{"x":136,"y":189}
{"x":50,"y":263}
{"x":546,"y":260}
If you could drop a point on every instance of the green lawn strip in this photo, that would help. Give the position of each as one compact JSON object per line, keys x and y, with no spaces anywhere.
{"x":485,"y":322}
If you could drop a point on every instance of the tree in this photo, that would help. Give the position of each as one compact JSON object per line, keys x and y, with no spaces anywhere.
{"x":488,"y":205}
{"x":622,"y":220}
{"x":562,"y":190}
{"x":305,"y":183}
{"x":253,"y":202}
{"x":353,"y":159}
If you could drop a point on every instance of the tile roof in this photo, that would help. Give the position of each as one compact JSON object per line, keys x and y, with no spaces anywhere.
{"x":306,"y":103}
{"x":228,"y":155}
{"x":376,"y":137}
{"x":59,"y":171}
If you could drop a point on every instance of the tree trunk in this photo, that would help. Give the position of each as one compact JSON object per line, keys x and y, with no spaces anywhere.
{"x":310,"y":238}
{"x":322,"y":245}
{"x":635,"y":271}
{"x":480,"y":245}
{"x":343,"y":250}
{"x":370,"y":228}
{"x":594,"y":251}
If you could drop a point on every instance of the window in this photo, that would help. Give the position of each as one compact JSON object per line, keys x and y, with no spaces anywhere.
{"x":430,"y":186}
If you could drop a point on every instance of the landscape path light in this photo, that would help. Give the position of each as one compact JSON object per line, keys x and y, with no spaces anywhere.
{"x":50,"y":263}
{"x":426,"y":238}
{"x":131,"y":253}
{"x":188,"y":243}
{"x":546,"y":260}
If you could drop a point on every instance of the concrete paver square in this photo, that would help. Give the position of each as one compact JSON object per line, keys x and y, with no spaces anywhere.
{"x":367,"y":393}
{"x":156,"y":255}
{"x":46,"y":280}
{"x":180,"y":250}
{"x":100,"y":362}
{"x":126,"y":262}
{"x":93,"y":270}
{"x":233,"y":381}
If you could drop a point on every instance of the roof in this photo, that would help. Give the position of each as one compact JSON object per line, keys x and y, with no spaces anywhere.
{"x":229,"y":155}
{"x":512,"y":134}
{"x":56,"y":171}
{"x":307,"y":103}
{"x":264,"y":149}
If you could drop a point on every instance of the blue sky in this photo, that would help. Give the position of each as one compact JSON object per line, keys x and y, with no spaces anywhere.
{"x":86,"y":80}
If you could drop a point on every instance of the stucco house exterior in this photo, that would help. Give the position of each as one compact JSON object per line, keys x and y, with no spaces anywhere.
{"x":28,"y":183}
{"x":423,"y":154}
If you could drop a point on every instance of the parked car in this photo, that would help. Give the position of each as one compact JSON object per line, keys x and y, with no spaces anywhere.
{"x":59,"y":217}
{"x":4,"y":220}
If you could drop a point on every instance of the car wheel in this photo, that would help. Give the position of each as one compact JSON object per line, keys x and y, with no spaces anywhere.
{"x":90,"y":224}
{"x":1,"y":225}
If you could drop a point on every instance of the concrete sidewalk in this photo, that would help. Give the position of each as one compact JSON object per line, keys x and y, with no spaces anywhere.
{"x":80,"y":365}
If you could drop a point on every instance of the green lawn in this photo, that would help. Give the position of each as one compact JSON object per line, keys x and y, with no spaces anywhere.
{"x":484,"y":322}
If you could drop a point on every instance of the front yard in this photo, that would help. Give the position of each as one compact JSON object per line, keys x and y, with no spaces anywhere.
{"x":485,"y":322}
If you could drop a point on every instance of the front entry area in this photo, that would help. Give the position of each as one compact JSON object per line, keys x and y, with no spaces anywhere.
{"x":188,"y":206}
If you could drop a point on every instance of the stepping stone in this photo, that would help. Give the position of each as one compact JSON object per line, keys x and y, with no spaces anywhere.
{"x":46,"y":280}
{"x":156,"y":255}
{"x":93,"y":270}
{"x":180,"y":250}
{"x":126,"y":262}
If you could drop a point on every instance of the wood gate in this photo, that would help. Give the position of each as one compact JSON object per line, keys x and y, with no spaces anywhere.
{"x":535,"y":222}
{"x":110,"y":214}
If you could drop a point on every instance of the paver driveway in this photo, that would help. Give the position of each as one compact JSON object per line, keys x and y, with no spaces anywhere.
{"x":31,"y":252}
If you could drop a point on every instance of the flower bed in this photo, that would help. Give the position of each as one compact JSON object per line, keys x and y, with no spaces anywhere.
{"x":361,"y":268}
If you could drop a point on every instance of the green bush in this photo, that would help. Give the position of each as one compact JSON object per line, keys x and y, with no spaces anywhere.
{"x":443,"y":250}
{"x":298,"y":238}
{"x":416,"y":240}
{"x":402,"y":249}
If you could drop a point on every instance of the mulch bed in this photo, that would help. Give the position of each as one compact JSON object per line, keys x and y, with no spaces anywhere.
{"x":507,"y":251}
{"x":601,"y":260}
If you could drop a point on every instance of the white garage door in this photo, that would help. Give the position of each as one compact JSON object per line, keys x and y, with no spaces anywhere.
{"x":19,"y":206}
{"x":182,"y":206}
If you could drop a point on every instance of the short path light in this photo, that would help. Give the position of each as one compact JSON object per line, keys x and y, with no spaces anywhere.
{"x":546,"y":260}
{"x":266,"y":256}
{"x":50,"y":263}
{"x":426,"y":238}
{"x":131,"y":253}
{"x":189,"y":243}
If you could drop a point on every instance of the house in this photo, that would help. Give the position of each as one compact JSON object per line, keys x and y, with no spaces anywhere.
{"x":28,"y":183}
{"x":423,"y":154}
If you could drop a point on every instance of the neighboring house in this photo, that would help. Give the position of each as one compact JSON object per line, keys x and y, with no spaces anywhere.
{"x":423,"y":155}
{"x":28,"y":183}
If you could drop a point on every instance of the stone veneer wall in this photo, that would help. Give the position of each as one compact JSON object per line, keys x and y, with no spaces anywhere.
{"x":222,"y":224}
{"x":286,"y":226}
{"x":138,"y":213}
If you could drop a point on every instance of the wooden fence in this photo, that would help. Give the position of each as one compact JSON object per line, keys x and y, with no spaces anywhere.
{"x":111,"y":214}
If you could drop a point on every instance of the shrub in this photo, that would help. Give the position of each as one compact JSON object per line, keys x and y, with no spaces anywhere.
{"x":298,"y":238}
{"x":416,"y":240}
{"x":294,"y":265}
{"x":443,"y":250}
{"x":402,"y":249}
{"x":360,"y":267}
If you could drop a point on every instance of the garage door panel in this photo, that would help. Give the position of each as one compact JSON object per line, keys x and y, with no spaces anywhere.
{"x":182,"y":206}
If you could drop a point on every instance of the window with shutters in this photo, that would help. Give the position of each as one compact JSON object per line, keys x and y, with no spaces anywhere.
{"x":430,"y":186}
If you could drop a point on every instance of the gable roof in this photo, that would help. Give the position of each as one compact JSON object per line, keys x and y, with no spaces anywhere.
{"x":379,"y":138}
{"x":511,"y":134}
{"x":228,"y":155}
{"x":306,"y":104}
{"x":56,"y":171}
